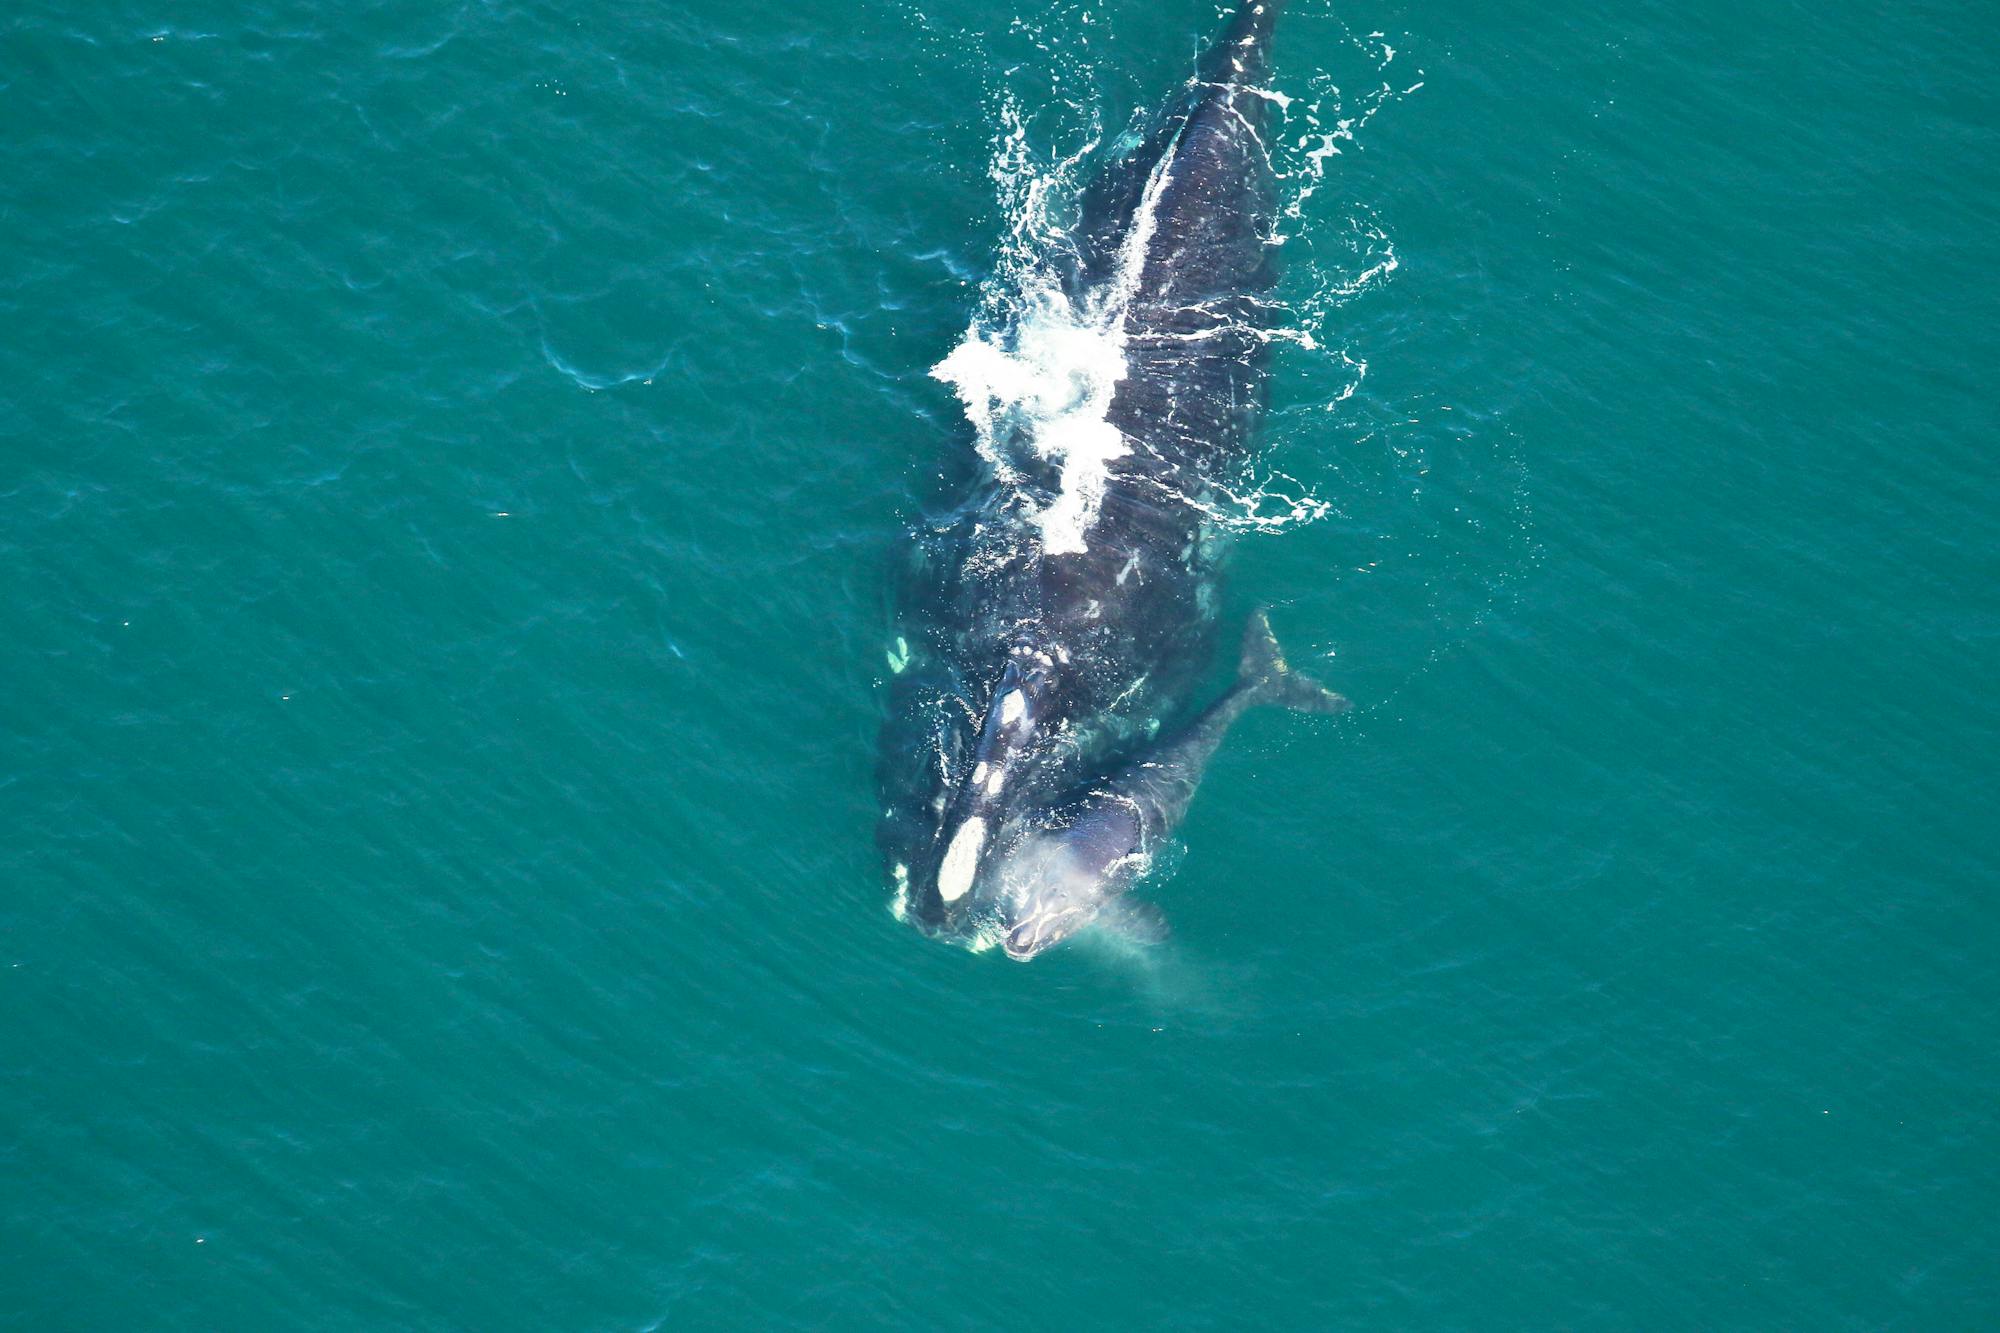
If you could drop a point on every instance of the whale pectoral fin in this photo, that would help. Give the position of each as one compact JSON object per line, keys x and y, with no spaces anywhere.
{"x":1263,"y":672}
{"x":1139,"y":922}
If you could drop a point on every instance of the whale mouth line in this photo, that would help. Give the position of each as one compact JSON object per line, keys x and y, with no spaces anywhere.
{"x":1042,"y":930}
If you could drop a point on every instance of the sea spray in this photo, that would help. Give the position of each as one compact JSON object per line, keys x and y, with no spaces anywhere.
{"x":1040,"y":362}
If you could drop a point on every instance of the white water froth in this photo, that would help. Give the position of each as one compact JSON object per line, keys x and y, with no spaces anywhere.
{"x":1051,"y":380}
{"x":1048,"y":378}
{"x":1037,"y":369}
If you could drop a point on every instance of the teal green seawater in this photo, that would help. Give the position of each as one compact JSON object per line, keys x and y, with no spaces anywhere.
{"x":453,"y":461}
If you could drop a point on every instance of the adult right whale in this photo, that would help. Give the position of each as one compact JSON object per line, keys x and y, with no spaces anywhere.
{"x":1060,"y":616}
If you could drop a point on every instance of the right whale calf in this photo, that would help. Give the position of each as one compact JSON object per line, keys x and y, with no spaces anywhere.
{"x":1061,"y":615}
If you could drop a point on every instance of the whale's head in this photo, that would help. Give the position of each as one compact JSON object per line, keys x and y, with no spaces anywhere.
{"x":1002,"y":842}
{"x":975,"y":793}
{"x":1061,"y":874}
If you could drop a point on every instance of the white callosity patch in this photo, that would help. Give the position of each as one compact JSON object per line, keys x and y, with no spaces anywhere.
{"x":989,"y":777}
{"x":1012,"y":708}
{"x":961,"y":859}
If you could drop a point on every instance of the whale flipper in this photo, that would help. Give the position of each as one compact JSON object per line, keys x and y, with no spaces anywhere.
{"x":1129,"y":814}
{"x":1264,"y":676}
{"x":1084,"y":858}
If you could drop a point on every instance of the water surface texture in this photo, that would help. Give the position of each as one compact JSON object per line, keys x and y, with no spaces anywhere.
{"x":453,"y":464}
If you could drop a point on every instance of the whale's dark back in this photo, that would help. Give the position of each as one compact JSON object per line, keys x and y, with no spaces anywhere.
{"x":1197,"y":313}
{"x":1211,"y":222}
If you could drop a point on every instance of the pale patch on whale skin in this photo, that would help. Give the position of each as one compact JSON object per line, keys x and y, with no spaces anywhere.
{"x":961,"y":859}
{"x":1012,"y":708}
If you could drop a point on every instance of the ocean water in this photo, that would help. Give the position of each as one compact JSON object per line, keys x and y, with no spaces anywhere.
{"x":453,"y":461}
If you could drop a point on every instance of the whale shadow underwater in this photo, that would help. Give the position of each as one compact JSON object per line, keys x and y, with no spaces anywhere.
{"x":1060,"y":618}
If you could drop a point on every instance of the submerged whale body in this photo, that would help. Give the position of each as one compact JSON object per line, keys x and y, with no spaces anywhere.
{"x":1061,"y":619}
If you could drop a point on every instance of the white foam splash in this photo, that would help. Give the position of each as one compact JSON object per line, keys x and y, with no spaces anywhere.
{"x":1048,"y":378}
{"x":1049,"y":381}
{"x":1037,"y":368}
